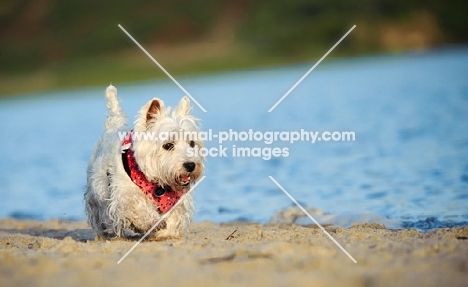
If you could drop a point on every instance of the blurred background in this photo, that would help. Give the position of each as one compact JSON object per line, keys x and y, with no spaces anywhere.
{"x":399,"y":81}
{"x":48,"y":44}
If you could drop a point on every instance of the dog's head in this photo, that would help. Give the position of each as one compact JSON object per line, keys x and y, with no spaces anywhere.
{"x":164,"y":141}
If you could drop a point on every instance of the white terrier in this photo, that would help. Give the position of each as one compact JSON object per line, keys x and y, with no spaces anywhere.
{"x":133,"y":182}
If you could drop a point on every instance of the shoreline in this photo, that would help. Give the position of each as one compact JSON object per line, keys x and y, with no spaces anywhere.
{"x":50,"y":80}
{"x":53,"y":252}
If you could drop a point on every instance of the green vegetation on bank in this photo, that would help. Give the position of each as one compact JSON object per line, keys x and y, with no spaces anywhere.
{"x":49,"y":44}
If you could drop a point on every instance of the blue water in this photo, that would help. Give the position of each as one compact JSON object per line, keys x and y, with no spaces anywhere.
{"x":409,"y":161}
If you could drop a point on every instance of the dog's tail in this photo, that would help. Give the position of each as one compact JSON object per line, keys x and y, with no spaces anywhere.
{"x":112,"y":101}
{"x":115,"y":116}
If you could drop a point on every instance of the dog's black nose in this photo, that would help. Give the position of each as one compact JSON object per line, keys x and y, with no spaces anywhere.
{"x":189,"y":166}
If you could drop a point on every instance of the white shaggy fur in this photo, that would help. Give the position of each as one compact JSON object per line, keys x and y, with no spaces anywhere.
{"x":114,"y":204}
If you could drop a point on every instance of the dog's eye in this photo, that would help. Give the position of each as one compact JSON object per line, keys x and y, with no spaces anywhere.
{"x":192,"y":143}
{"x":168,"y":146}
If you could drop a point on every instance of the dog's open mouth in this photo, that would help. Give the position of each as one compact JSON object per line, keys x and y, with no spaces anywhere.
{"x":184,"y":180}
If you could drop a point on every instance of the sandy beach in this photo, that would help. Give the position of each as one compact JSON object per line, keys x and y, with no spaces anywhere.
{"x":53,"y":253}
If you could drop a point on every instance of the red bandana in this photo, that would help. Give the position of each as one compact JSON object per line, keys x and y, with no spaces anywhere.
{"x":164,"y":196}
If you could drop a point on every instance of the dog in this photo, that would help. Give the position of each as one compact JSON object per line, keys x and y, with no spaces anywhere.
{"x":134,"y":181}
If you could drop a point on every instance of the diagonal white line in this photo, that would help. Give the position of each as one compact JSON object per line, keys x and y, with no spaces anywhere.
{"x":311,"y":69}
{"x":162,"y":68}
{"x":313,"y":219}
{"x":161,"y":219}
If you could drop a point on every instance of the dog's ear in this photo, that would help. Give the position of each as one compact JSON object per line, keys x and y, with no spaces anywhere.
{"x":155,"y":107}
{"x":149,"y":113}
{"x":184,"y":107}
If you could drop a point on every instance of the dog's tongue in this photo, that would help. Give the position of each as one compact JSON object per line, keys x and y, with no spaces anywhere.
{"x":185,"y":178}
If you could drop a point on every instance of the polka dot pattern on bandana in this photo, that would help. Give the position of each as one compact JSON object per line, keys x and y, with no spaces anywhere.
{"x":167,"y":199}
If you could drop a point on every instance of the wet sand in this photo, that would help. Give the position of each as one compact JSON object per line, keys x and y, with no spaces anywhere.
{"x":58,"y":253}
